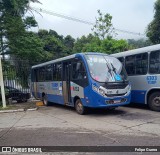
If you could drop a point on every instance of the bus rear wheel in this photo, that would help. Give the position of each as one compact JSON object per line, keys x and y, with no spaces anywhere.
{"x":154,"y":101}
{"x":79,"y":107}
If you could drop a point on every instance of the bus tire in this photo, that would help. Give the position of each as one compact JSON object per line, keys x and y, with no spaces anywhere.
{"x":45,"y":101}
{"x":154,"y":101}
{"x":79,"y":107}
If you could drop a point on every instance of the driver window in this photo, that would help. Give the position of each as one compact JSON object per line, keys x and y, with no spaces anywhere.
{"x":78,"y":71}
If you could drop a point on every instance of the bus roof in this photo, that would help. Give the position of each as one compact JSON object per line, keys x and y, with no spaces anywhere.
{"x":138,"y":51}
{"x":66,"y":58}
{"x":54,"y":61}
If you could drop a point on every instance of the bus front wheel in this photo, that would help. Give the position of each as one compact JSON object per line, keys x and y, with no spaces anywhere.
{"x":45,"y":101}
{"x":154,"y":101}
{"x":79,"y":107}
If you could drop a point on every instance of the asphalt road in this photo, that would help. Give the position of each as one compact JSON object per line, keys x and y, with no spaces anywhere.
{"x":62,"y":126}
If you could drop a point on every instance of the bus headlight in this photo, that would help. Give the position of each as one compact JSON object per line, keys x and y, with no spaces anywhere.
{"x":129,"y":88}
{"x":101,"y":92}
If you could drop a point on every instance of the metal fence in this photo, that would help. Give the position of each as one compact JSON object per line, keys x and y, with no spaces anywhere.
{"x":16,"y":74}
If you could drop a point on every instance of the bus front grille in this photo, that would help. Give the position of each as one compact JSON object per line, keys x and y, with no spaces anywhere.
{"x":113,"y":95}
{"x":116,"y":85}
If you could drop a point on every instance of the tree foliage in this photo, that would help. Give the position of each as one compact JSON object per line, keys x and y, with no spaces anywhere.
{"x":153,"y":30}
{"x":68,"y":44}
{"x":138,"y":43}
{"x":103,"y":27}
{"x":81,"y":42}
{"x":92,"y":43}
{"x":13,"y":23}
{"x":36,"y":47}
{"x":48,"y":44}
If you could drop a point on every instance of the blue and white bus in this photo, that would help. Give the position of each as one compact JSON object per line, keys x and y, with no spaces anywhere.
{"x":82,"y":80}
{"x":143,"y":68}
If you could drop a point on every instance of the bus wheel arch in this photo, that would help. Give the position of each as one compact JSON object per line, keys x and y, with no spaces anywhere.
{"x":153,"y":99}
{"x":79,"y":106}
{"x":75,"y":99}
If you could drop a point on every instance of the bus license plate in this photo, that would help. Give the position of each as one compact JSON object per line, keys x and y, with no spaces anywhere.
{"x":117,"y":101}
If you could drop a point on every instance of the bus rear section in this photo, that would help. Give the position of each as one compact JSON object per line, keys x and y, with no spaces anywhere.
{"x":82,"y":81}
{"x":143,"y":68}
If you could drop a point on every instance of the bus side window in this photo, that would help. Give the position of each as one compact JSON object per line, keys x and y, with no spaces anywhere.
{"x":154,"y":67}
{"x":49,"y":73}
{"x":34,"y":75}
{"x":121,"y":59}
{"x":54,"y":72}
{"x":59,"y":72}
{"x":78,"y":71}
{"x":141,"y":64}
{"x":130,"y":65}
{"x":41,"y":74}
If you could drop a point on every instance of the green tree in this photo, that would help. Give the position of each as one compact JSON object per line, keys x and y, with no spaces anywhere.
{"x":80,"y":43}
{"x":13,"y":22}
{"x":55,"y":34}
{"x":42,"y":33}
{"x":68,"y":44}
{"x":29,"y":47}
{"x":103,"y":27}
{"x":30,"y":22}
{"x":93,"y":46}
{"x":111,"y":46}
{"x":153,"y":30}
{"x":53,"y":43}
{"x":14,"y":39}
{"x":54,"y":46}
{"x":138,"y":43}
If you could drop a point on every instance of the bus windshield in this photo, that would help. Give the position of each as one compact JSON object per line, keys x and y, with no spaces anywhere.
{"x":105,"y":68}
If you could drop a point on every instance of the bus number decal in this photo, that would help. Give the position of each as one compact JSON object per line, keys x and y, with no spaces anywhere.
{"x":74,"y":88}
{"x":152,"y":79}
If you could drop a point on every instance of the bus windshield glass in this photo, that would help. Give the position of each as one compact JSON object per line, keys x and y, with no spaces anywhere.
{"x":105,"y":68}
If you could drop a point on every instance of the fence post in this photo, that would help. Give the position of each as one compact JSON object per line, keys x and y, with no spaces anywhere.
{"x":2,"y":85}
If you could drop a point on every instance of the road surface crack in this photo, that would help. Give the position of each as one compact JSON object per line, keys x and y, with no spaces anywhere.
{"x":12,"y":126}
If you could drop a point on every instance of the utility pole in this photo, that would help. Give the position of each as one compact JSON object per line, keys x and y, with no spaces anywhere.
{"x":2,"y":85}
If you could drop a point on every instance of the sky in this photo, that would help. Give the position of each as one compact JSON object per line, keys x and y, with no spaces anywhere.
{"x":129,"y":15}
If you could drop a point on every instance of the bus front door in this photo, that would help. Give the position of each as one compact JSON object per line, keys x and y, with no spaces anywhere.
{"x":66,"y":83}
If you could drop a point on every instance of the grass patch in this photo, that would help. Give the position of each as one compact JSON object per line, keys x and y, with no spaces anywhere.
{"x":8,"y":107}
{"x":16,"y":106}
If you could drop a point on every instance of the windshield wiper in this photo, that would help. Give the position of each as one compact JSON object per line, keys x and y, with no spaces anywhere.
{"x":109,"y":70}
{"x":114,"y":69}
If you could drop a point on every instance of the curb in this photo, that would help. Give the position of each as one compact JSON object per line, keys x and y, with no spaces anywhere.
{"x":10,"y":111}
{"x":33,"y":109}
{"x":18,"y":110}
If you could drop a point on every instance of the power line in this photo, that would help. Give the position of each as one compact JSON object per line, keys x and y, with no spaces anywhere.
{"x":80,"y":20}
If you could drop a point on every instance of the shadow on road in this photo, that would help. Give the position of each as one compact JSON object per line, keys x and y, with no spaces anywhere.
{"x":137,"y":106}
{"x":91,"y":111}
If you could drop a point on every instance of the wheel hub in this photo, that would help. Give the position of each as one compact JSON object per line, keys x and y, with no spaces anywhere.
{"x":79,"y":107}
{"x":157,"y":101}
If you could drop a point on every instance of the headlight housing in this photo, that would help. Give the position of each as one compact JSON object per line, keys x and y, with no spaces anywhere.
{"x":98,"y":90}
{"x":101,"y":91}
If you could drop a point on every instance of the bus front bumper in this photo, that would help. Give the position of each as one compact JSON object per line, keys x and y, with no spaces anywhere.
{"x":109,"y":102}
